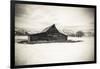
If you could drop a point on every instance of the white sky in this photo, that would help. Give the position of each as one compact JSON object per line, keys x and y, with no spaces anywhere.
{"x":35,"y":18}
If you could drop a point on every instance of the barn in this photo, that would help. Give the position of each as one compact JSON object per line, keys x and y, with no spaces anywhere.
{"x":49,"y":34}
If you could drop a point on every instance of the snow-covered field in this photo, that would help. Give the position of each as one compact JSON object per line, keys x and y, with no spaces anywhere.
{"x":26,"y":54}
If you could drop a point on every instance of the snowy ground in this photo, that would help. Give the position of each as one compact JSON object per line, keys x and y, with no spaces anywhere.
{"x":26,"y":54}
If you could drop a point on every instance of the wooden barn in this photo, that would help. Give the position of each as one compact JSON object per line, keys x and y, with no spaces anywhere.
{"x":49,"y":34}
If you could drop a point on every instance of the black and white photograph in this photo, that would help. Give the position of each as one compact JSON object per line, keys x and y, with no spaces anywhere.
{"x":50,"y":34}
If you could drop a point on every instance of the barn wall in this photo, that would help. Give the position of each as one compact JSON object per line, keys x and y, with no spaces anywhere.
{"x":41,"y":36}
{"x":48,"y":37}
{"x":57,"y":36}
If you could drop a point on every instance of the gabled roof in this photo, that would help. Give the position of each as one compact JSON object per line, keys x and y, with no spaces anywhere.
{"x":47,"y":28}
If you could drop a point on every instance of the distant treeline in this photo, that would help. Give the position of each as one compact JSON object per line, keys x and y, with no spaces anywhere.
{"x":20,"y":32}
{"x":81,"y":34}
{"x":72,"y":34}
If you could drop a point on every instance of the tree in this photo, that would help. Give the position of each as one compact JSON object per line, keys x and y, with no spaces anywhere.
{"x":79,"y":34}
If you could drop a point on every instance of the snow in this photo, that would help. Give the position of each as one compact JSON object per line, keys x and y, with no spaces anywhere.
{"x":30,"y":54}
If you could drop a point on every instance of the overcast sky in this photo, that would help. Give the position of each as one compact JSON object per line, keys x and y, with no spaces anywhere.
{"x":34,"y":18}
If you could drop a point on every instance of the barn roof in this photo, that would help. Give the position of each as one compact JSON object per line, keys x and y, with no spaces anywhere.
{"x":47,"y":28}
